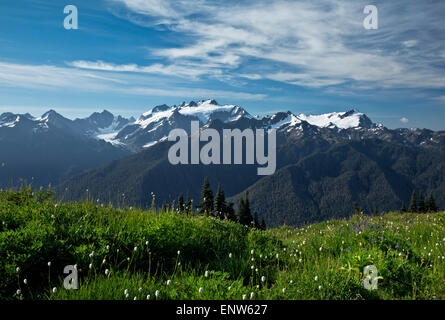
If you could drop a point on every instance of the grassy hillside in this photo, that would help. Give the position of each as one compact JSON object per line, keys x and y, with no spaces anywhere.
{"x":129,"y":253}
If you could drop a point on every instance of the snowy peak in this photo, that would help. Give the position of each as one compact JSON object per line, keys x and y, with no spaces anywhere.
{"x":341,"y":120}
{"x":204,"y":111}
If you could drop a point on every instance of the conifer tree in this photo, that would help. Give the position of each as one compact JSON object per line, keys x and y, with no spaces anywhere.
{"x":413,"y":203}
{"x":403,"y":209}
{"x":432,"y":207}
{"x":188,"y":205}
{"x":206,"y":205}
{"x":181,"y":203}
{"x":220,"y":203}
{"x":263,"y":224}
{"x":255,"y":220}
{"x":421,"y":208}
{"x":244,"y":213}
{"x":230,"y":212}
{"x":241,"y":210}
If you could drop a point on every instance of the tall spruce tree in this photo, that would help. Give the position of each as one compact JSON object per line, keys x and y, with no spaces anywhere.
{"x":256,"y":223}
{"x":413,"y":203}
{"x":230,"y":212}
{"x":206,"y":205}
{"x":432,"y":207}
{"x":244,"y":213}
{"x":263,"y":224}
{"x":421,"y":207}
{"x":188,"y":205}
{"x":181,"y":205}
{"x":220,"y":203}
{"x":403,"y":209}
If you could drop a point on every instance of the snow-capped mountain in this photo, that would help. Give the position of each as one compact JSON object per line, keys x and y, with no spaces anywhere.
{"x":155,"y":125}
{"x":99,"y":125}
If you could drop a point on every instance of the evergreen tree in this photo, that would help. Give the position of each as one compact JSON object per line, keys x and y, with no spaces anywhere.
{"x":244,"y":213}
{"x":432,"y":207}
{"x":181,"y":204}
{"x":403,"y":209}
{"x":188,"y":205}
{"x":255,"y":220}
{"x":413,"y":203}
{"x":220,"y":203}
{"x":241,"y":210}
{"x":206,"y":205}
{"x":421,"y":207}
{"x":230,"y":212}
{"x":263,"y":224}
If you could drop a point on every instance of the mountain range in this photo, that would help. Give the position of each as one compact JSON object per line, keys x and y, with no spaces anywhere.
{"x":325,"y":163}
{"x":51,"y":148}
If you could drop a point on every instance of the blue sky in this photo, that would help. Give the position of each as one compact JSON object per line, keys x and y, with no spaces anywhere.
{"x":308,"y":57}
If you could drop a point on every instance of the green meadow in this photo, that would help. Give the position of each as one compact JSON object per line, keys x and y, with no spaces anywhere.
{"x":128,"y":254}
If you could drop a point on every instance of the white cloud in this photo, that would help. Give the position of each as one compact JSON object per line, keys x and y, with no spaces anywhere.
{"x":96,"y":80}
{"x":324,"y":40}
{"x":410,"y":43}
{"x":157,"y":69}
{"x":404,"y":120}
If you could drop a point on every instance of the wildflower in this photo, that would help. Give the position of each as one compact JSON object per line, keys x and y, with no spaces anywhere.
{"x":135,"y":249}
{"x":91,"y":254}
{"x":263,"y":279}
{"x":251,"y":251}
{"x":140,"y":289}
{"x":244,"y":296}
{"x":252,"y":267}
{"x":276,"y":255}
{"x":49,"y":264}
{"x":103,"y":261}
{"x":146,"y":243}
{"x":321,"y":248}
{"x":252,"y":295}
{"x":19,"y":292}
{"x":200,"y":290}
{"x":397,"y":247}
{"x":108,"y":247}
{"x":284,"y":290}
{"x":127,"y":295}
{"x":229,"y":288}
{"x":17,"y":269}
{"x":256,"y":270}
{"x":126,"y":291}
{"x":179,"y":252}
{"x":54,"y":290}
{"x":292,"y":281}
{"x":135,"y":298}
{"x":319,"y":287}
{"x":157,"y":293}
{"x":148,"y":297}
{"x":107,"y":272}
{"x":230,"y":255}
{"x":316,"y":278}
{"x":90,"y":266}
{"x":25,"y":281}
{"x":206,"y":274}
{"x":169,"y":282}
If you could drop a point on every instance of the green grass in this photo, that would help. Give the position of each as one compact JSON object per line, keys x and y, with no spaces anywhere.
{"x":129,"y":253}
